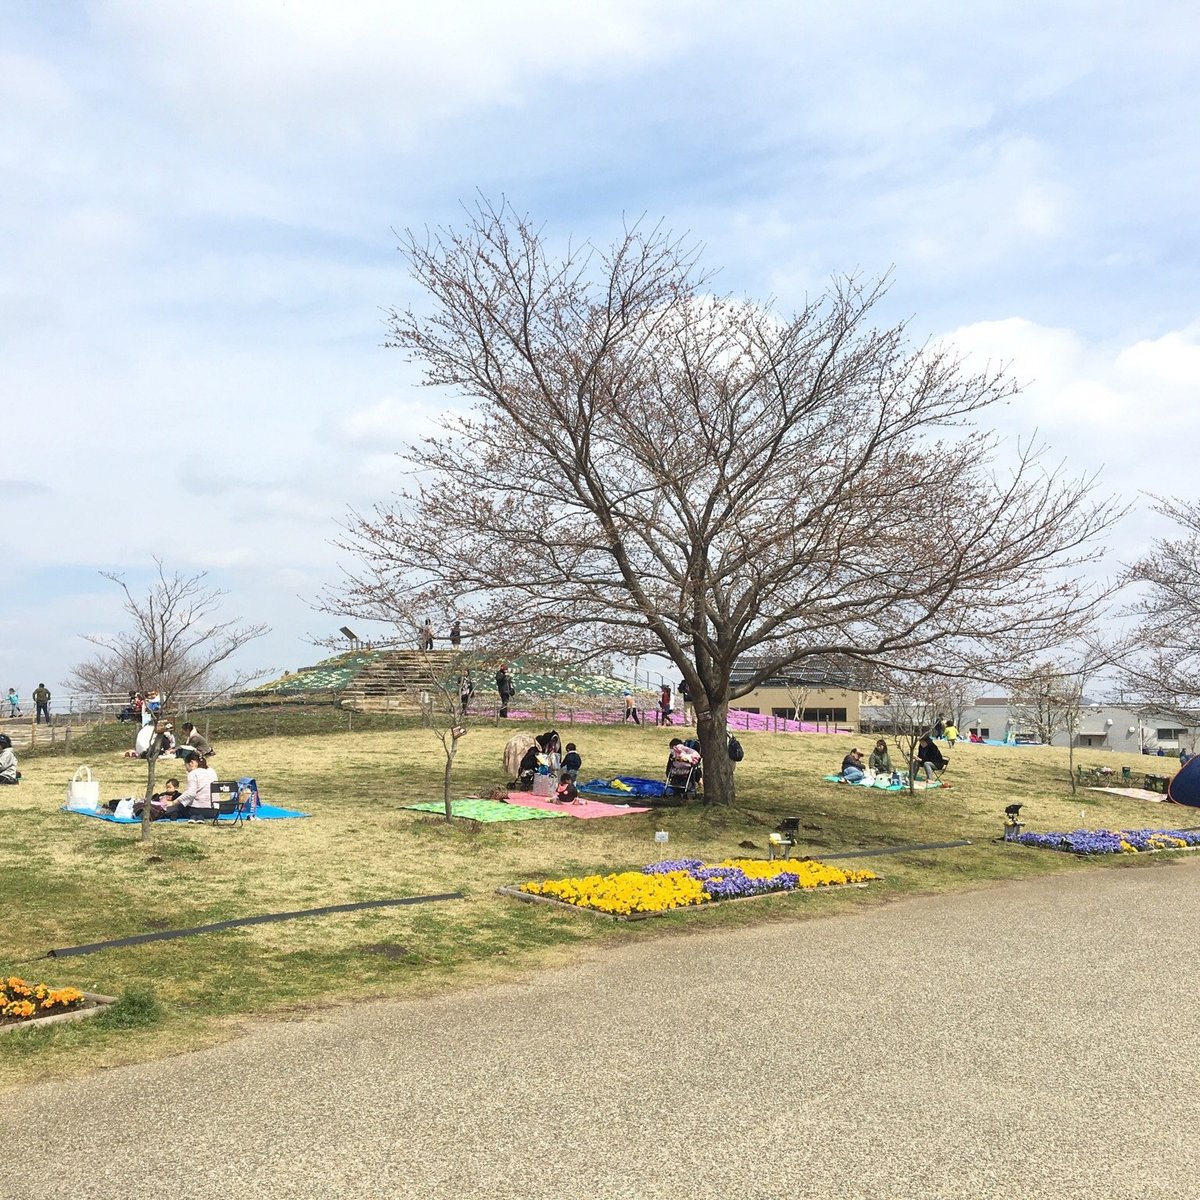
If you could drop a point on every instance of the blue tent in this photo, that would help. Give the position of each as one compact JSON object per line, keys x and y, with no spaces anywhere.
{"x":1184,"y":788}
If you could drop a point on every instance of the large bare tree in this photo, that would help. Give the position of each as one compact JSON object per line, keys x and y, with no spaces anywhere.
{"x":650,"y":467}
{"x":176,"y":641}
{"x":1161,"y":659}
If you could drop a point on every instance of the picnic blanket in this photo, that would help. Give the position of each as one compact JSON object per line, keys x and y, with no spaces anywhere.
{"x":585,"y":810}
{"x":635,"y":787}
{"x":486,"y":811}
{"x":266,"y":812}
{"x":883,"y":785}
{"x":1133,"y":793}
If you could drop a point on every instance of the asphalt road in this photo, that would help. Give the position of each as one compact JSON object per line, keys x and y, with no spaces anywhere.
{"x":1034,"y":1040}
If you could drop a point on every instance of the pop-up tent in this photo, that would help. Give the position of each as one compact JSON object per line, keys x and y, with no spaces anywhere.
{"x":1185,"y":787}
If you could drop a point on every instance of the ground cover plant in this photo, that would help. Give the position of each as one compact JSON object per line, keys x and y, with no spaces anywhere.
{"x":66,"y":880}
{"x":1112,"y":841}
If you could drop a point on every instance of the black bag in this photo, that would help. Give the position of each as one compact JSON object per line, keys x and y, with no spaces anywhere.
{"x":735,"y":750}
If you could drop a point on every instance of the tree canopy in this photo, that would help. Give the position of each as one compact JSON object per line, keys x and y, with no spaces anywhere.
{"x":651,"y":467}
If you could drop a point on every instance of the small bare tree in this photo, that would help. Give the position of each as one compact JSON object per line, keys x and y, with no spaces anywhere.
{"x":176,"y":641}
{"x":1043,"y":700}
{"x":910,"y":710}
{"x":652,"y":468}
{"x":1160,"y":662}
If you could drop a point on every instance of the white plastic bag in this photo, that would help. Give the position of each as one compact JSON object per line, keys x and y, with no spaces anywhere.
{"x":124,"y":808}
{"x":83,"y":793}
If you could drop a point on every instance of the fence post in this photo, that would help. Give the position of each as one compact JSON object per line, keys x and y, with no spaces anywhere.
{"x":67,"y":742}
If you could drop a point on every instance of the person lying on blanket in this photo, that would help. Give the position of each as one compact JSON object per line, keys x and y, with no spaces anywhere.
{"x":853,"y":769}
{"x":929,"y":758}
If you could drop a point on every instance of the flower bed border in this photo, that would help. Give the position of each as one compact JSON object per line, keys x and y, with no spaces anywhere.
{"x":94,"y":1003}
{"x":515,"y":893}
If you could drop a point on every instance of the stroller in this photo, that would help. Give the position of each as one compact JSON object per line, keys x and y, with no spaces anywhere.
{"x":683,"y":768}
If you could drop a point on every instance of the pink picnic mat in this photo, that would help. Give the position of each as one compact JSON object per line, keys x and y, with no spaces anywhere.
{"x":585,"y":810}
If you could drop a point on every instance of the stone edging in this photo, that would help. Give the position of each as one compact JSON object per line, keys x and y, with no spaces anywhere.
{"x":97,"y":1003}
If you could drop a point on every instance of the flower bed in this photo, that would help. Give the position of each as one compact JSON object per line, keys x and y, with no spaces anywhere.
{"x":682,"y":883}
{"x":24,"y":1001}
{"x":1111,"y":841}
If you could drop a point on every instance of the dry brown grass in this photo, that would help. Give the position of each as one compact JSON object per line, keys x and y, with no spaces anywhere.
{"x":66,"y":880}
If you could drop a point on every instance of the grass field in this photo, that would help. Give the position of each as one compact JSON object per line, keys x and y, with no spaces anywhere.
{"x":66,"y":880}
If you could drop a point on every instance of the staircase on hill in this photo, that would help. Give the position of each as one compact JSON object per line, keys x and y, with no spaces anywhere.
{"x":393,"y":680}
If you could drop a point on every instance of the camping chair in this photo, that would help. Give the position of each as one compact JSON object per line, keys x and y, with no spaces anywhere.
{"x":226,"y":799}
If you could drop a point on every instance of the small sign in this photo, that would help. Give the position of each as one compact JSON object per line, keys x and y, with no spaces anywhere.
{"x":661,"y":836}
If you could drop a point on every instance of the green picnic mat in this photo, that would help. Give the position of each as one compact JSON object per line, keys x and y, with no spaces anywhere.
{"x":484,"y":810}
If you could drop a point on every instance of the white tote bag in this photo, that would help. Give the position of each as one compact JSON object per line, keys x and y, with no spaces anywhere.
{"x":83,"y":791}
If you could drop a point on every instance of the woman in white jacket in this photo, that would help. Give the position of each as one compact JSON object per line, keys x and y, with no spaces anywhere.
{"x":196,"y":799}
{"x":8,"y":761}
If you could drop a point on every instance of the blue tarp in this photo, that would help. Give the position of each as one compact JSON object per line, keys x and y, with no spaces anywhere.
{"x":636,"y":786}
{"x":267,"y":812}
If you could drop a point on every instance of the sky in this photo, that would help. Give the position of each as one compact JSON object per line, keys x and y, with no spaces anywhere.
{"x":198,"y":232}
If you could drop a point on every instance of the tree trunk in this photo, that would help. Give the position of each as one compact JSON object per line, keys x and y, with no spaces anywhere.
{"x":451,"y":751}
{"x":151,"y":770}
{"x":1071,"y":760}
{"x":713,"y":735}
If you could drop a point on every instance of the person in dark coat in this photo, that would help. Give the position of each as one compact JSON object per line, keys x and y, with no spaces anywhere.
{"x":929,"y":758}
{"x":504,"y":688}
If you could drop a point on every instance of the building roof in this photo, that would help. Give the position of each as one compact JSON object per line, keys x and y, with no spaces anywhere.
{"x":823,"y":670}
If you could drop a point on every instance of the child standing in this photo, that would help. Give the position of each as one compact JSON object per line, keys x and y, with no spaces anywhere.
{"x":14,"y":702}
{"x":571,"y":761}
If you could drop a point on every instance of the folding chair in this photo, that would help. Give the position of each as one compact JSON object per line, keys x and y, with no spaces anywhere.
{"x":226,"y":800}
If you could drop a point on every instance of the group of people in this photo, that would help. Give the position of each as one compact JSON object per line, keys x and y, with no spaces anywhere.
{"x":193,"y":803}
{"x":928,"y":760}
{"x":41,"y":699}
{"x":427,"y":635}
{"x":546,"y":755}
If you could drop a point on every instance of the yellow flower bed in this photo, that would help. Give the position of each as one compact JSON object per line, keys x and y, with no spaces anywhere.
{"x":624,"y":893}
{"x":811,"y":874}
{"x":20,"y":1000}
{"x":655,"y":891}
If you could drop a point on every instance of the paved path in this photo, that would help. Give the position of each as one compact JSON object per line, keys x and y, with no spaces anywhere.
{"x":1037,"y":1040}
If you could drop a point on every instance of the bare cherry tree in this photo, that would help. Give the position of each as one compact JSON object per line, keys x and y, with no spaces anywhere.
{"x":176,"y":641}
{"x":653,"y":468}
{"x":1160,"y":663}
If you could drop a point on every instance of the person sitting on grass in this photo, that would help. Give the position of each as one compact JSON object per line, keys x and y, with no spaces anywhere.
{"x":195,"y":801}
{"x":880,"y":761}
{"x":196,"y":741}
{"x":566,"y":792}
{"x":572,"y":762}
{"x":8,"y":761}
{"x":929,"y":758}
{"x":853,"y":770}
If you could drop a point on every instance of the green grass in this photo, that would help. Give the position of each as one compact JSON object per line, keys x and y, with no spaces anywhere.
{"x":67,"y":880}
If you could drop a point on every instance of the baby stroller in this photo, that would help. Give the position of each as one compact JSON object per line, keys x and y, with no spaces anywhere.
{"x":683,"y":768}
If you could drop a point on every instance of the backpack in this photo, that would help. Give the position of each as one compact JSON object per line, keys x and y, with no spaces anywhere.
{"x":736,"y":753}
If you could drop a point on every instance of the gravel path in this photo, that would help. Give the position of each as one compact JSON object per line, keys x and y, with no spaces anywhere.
{"x":1032,"y":1040}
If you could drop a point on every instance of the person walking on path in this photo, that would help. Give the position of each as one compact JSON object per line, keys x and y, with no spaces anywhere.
{"x":664,"y":705}
{"x":14,"y":702}
{"x":456,"y":634}
{"x":466,"y":689}
{"x":427,"y":635}
{"x":631,"y":708}
{"x":41,"y":697}
{"x":504,"y":688}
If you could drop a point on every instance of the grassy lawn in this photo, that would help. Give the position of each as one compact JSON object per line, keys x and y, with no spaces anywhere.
{"x":67,"y":880}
